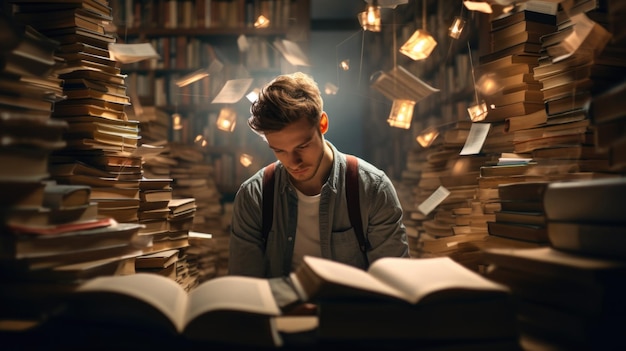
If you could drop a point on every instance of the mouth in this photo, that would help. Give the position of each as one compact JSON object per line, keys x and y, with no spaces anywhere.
{"x":298,"y":171}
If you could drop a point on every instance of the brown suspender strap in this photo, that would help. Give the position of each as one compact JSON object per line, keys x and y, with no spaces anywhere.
{"x":352,"y":196}
{"x":354,"y":210}
{"x":268,"y":200}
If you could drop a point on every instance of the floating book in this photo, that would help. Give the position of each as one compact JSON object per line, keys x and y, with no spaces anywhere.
{"x":400,"y":84}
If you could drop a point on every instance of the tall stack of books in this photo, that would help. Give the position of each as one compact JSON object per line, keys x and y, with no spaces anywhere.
{"x":515,"y":49}
{"x":154,"y":196}
{"x":51,"y":234}
{"x":570,"y":293}
{"x":179,"y":224}
{"x":432,"y":231}
{"x":154,"y":124}
{"x":458,"y":220}
{"x":95,"y":104}
{"x":202,"y":256}
{"x":577,"y":62}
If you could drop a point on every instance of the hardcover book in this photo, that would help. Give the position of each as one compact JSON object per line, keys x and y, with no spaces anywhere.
{"x":218,"y":310}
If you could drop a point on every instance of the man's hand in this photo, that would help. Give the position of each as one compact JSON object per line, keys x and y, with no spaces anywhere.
{"x":302,"y":309}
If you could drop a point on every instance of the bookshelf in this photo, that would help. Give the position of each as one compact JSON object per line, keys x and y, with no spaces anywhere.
{"x":218,"y":37}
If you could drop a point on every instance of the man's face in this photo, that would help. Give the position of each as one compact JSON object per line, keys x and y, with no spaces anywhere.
{"x":300,"y":148}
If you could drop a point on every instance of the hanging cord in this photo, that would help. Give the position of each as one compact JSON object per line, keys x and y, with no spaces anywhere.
{"x":469,"y":49}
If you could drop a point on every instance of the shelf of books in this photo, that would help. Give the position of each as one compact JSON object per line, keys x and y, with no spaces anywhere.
{"x":211,"y":54}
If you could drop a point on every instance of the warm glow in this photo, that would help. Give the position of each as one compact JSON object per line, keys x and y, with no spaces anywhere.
{"x":262,"y":22}
{"x":345,"y":65}
{"x":456,"y":28}
{"x":478,"y":112}
{"x":461,"y":166}
{"x":245,"y":160}
{"x":330,"y":89}
{"x":401,"y":114}
{"x":192,"y":77}
{"x":198,"y":138}
{"x":227,"y":119}
{"x":370,"y":19}
{"x":419,"y":46}
{"x":427,"y":136}
{"x":177,"y":122}
{"x":488,"y":84}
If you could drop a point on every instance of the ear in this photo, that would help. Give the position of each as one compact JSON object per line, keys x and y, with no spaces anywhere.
{"x":323,"y":123}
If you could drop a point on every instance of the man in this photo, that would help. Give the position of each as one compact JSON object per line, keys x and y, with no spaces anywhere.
{"x":310,"y":214}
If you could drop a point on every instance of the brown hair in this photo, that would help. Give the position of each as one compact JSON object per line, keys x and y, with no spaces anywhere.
{"x":285,"y":100}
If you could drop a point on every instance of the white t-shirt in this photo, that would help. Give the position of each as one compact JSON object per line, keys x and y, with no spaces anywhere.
{"x":308,"y":229}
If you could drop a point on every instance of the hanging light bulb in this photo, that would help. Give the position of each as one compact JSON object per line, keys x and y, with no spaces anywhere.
{"x":227,"y":119}
{"x":427,"y":136}
{"x":370,"y":19}
{"x":330,"y":89}
{"x":478,"y":112}
{"x":456,"y":28}
{"x":177,"y":121}
{"x":345,"y":64}
{"x":401,"y":114}
{"x":245,"y":160}
{"x":262,"y":22}
{"x":421,"y":44}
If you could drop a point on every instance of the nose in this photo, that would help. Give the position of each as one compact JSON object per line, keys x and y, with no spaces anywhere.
{"x":294,"y":159}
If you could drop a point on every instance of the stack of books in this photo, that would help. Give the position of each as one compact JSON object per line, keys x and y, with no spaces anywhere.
{"x":521,"y":215}
{"x":577,"y":61}
{"x":515,"y":49}
{"x":52,"y":236}
{"x":96,"y":100}
{"x":570,"y":292}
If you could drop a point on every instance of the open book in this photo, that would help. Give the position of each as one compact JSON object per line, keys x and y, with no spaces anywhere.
{"x":392,"y":278}
{"x":430,"y":299}
{"x":229,"y":309}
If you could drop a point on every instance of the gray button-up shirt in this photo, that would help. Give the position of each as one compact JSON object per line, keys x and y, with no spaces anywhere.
{"x":380,"y":208}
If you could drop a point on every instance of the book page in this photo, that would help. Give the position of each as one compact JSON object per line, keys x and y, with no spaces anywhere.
{"x":163,"y":293}
{"x":233,"y":91}
{"x":235,"y":293}
{"x":433,"y":200}
{"x":340,"y":274}
{"x":432,"y":278}
{"x":476,"y":138}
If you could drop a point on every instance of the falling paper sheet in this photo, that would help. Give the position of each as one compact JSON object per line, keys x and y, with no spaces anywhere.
{"x":291,"y":52}
{"x":433,"y":200}
{"x":233,"y":91}
{"x":476,"y":138}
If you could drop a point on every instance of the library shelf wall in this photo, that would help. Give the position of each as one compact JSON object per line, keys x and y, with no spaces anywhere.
{"x":218,"y":40}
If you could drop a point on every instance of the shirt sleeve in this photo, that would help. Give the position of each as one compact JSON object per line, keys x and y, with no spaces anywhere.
{"x":385,"y":231}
